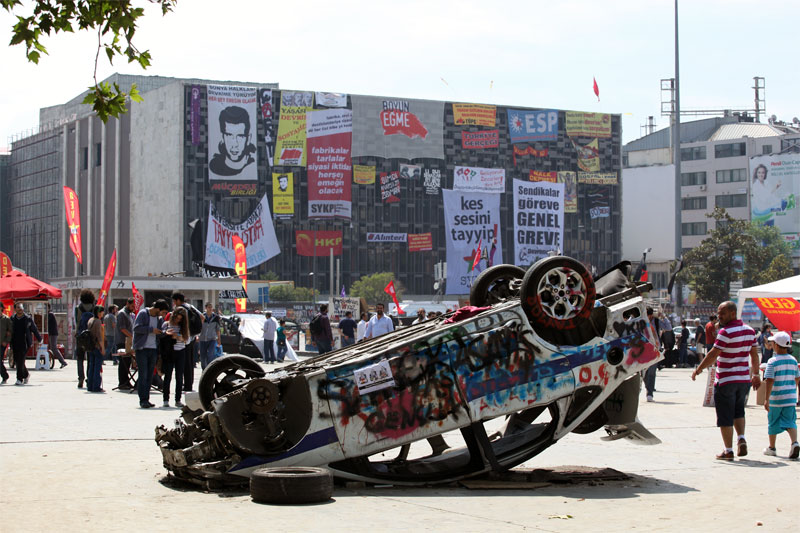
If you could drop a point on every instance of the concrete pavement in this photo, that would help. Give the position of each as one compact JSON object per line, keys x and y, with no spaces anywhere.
{"x":72,"y":460}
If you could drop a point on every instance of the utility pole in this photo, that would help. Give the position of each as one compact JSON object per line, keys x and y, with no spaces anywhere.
{"x":676,"y":154}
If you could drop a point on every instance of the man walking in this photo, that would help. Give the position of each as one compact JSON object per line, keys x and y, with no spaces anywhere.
{"x":420,"y":316}
{"x":110,"y":327}
{"x":5,"y":337}
{"x":348,"y":328}
{"x":650,"y":373}
{"x":269,"y":328}
{"x":22,"y":332}
{"x":711,"y":332}
{"x":378,"y":325}
{"x":209,"y":336}
{"x":147,"y":326}
{"x":321,"y":333}
{"x":735,"y":342}
{"x":52,"y":337}
{"x":124,"y":339}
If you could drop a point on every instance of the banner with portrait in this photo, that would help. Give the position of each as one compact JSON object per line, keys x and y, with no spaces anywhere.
{"x":257,"y":233}
{"x":471,"y":219}
{"x":538,"y":220}
{"x":290,"y":145}
{"x":265,"y":114}
{"x":774,"y":195}
{"x":570,"y":182}
{"x":283,"y":194}
{"x":232,"y":153}
{"x":479,"y":179}
{"x":330,"y":168}
{"x":588,"y":156}
{"x":410,"y":172}
{"x":397,"y":128}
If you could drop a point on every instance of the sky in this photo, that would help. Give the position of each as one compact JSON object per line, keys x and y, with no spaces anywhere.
{"x":523,"y":53}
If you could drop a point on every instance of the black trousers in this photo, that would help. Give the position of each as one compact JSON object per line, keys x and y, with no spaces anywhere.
{"x":3,"y":371}
{"x":19,"y":362}
{"x":123,"y":369}
{"x":188,"y":366}
{"x":80,"y":358}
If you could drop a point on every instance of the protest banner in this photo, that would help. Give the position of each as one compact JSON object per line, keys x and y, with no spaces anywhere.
{"x":257,"y":233}
{"x":474,"y":115}
{"x":329,"y":165}
{"x":538,"y":220}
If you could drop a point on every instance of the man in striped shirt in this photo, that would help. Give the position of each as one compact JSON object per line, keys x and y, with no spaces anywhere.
{"x":736,"y":354}
{"x":781,"y":378}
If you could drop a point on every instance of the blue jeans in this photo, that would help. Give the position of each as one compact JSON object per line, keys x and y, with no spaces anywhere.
{"x":650,"y":379}
{"x":93,"y":380}
{"x":683,"y":354}
{"x":146,"y":361}
{"x":208,"y":352}
{"x":347,"y":341}
{"x":269,"y":350}
{"x":282,"y":349}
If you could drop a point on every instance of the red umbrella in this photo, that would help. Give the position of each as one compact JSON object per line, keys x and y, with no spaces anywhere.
{"x":18,"y":286}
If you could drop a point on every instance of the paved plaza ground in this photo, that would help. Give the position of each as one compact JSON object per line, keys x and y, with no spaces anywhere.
{"x":75,"y":461}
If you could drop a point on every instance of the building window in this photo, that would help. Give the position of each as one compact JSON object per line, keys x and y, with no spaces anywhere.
{"x":766,"y":149}
{"x":732,"y":175}
{"x":730,"y":150}
{"x":722,"y":224}
{"x":85,"y":158}
{"x":688,"y":204}
{"x":693,"y":154}
{"x":693,"y":178}
{"x":693,"y":228}
{"x":731,"y":200}
{"x":98,"y":154}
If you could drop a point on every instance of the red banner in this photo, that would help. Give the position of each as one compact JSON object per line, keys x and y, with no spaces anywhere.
{"x":5,"y":265}
{"x":390,"y":290}
{"x":73,"y":222}
{"x":420,"y":242}
{"x":112,"y":267}
{"x":138,"y":299}
{"x":325,"y":242}
{"x":543,"y":175}
{"x":240,"y":255}
{"x":480,"y":139}
{"x":528,"y":150}
{"x":784,"y":313}
{"x":330,"y":171}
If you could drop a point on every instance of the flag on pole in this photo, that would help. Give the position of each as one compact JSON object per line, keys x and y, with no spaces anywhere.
{"x":73,"y":210}
{"x":596,"y":88}
{"x":477,"y":258}
{"x":342,"y":293}
{"x":390,"y":290}
{"x":138,"y":299}
{"x":112,"y":267}
{"x":641,"y":270}
{"x":240,"y":265}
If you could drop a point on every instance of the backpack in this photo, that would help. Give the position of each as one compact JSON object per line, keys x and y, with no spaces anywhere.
{"x":315,"y":326}
{"x":84,"y":339}
{"x":195,"y":319}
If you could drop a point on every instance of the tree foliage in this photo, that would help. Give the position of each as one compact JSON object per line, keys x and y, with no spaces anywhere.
{"x":287,"y":293}
{"x":713,"y":265}
{"x":371,"y":288}
{"x":113,"y":20}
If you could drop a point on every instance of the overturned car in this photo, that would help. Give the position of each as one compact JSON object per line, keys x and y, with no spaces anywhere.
{"x":539,"y":354}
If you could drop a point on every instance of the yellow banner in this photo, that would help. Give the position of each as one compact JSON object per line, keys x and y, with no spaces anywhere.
{"x":588,"y":156}
{"x":283,"y":194}
{"x":290,"y":146}
{"x":588,"y":124}
{"x":474,"y":115}
{"x":364,"y":174}
{"x":598,"y":178}
{"x":570,"y":191}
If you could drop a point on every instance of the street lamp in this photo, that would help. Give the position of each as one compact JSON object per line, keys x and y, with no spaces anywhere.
{"x":313,"y":287}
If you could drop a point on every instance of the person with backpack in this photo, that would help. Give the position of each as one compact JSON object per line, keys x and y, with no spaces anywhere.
{"x":195,"y":328}
{"x":320,"y":328}
{"x":83,"y":313}
{"x":94,"y":381}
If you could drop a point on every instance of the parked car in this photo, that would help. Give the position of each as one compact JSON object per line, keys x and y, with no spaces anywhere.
{"x":544,"y":352}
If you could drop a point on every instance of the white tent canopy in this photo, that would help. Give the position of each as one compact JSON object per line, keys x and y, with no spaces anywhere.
{"x":783,"y":288}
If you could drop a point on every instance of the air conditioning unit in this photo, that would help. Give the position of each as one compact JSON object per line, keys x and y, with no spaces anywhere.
{"x":702,"y":187}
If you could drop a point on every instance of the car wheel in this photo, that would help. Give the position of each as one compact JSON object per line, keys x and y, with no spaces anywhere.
{"x":558,"y":296}
{"x":291,"y":484}
{"x":226,"y":374}
{"x":496,"y":284}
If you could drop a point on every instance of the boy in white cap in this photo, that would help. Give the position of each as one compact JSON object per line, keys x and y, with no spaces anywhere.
{"x":781,"y":378}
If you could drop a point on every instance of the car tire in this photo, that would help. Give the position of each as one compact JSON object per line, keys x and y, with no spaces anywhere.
{"x":291,"y":485}
{"x":558,"y":297}
{"x":216,"y":378}
{"x":496,"y":284}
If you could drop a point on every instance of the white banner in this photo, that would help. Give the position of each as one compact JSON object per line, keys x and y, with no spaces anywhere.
{"x":257,"y":233}
{"x":470,"y":218}
{"x":387,"y":237}
{"x":232,"y":126}
{"x":538,"y":220}
{"x":479,"y":179}
{"x":330,"y":171}
{"x":331,"y":99}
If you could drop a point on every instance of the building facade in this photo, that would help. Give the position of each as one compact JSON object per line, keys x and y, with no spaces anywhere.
{"x":144,"y":178}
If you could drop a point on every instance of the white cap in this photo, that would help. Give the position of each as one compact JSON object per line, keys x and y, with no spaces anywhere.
{"x":782,"y":339}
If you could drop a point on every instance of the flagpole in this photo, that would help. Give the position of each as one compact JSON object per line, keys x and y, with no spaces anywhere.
{"x":676,"y":154}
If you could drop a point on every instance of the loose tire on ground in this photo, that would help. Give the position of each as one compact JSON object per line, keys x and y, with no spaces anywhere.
{"x":217,"y":379}
{"x":495,"y":284}
{"x":291,"y":485}
{"x":558,"y":296}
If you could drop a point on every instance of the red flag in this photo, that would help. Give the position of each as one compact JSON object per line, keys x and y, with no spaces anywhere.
{"x":390,"y":290}
{"x":73,"y":222}
{"x":5,"y":265}
{"x":112,"y":267}
{"x":477,"y":256}
{"x":138,"y":299}
{"x":240,"y":254}
{"x":596,"y":88}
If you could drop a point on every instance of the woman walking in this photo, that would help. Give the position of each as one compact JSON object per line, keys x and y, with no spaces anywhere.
{"x":173,"y":353}
{"x":94,"y":382}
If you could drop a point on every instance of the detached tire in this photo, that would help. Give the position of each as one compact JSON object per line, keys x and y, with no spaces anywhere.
{"x":496,"y":284}
{"x":558,"y":296}
{"x":222,"y":374}
{"x":291,"y":485}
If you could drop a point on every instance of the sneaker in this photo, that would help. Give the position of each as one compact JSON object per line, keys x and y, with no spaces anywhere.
{"x":166,"y":403}
{"x":650,"y":398}
{"x":146,"y":405}
{"x":770,"y":451}
{"x":178,"y":403}
{"x":63,"y":365}
{"x":124,"y":387}
{"x":4,"y":381}
{"x":25,"y":381}
{"x":725,"y":456}
{"x":19,"y":382}
{"x":795,"y":451}
{"x":741,"y":448}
